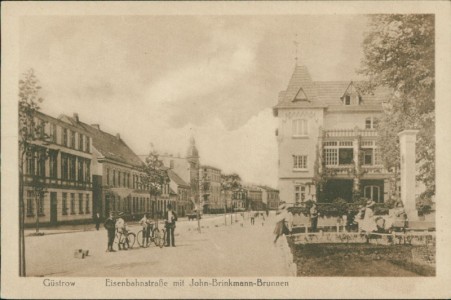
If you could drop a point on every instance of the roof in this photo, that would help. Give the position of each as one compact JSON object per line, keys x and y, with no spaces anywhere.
{"x":209,"y":167}
{"x":325,"y":94}
{"x":268,"y":188}
{"x":49,"y":118}
{"x":176,"y":178}
{"x":110,"y":146}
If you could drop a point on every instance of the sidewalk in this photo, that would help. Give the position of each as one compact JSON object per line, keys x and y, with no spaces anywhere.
{"x":218,"y":251}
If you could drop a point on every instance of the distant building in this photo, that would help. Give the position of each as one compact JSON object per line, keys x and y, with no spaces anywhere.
{"x":327,"y":134}
{"x":239,"y":199}
{"x":182,"y":190}
{"x":270,"y":197}
{"x":255,"y":197}
{"x":64,"y":177}
{"x":213,"y":200}
{"x":116,"y":173}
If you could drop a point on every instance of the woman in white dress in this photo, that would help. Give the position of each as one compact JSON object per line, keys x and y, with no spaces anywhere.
{"x":368,"y":224}
{"x":284,"y":221}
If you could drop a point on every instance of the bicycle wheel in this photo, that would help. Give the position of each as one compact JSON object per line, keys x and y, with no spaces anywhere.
{"x":162,"y":238}
{"x":131,"y":237}
{"x":141,"y":239}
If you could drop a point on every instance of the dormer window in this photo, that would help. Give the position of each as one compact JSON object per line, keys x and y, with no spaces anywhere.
{"x":300,"y":96}
{"x":347,"y":100}
{"x":351,"y":96}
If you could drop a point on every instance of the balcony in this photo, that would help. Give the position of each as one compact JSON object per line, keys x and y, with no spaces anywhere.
{"x":347,"y":133}
{"x":345,"y":171}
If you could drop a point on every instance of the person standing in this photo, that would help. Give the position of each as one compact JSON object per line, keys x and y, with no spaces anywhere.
{"x":146,"y":227}
{"x":314,"y":217}
{"x":110,"y":227}
{"x":170,"y":217}
{"x":97,"y":220}
{"x":284,"y":220}
{"x":121,"y":228}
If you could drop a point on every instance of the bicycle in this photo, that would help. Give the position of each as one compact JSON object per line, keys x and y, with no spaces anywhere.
{"x":127,"y":240}
{"x":157,"y":237}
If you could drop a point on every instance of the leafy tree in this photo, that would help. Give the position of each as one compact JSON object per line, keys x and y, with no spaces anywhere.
{"x":205,"y":187}
{"x":399,"y":54}
{"x":30,"y":132}
{"x":230,"y":183}
{"x":155,"y":175}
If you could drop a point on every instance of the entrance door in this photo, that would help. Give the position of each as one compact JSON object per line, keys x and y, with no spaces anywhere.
{"x":53,"y":208}
{"x":372,"y":192}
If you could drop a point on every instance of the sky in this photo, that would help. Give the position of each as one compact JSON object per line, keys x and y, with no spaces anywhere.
{"x":161,"y":79}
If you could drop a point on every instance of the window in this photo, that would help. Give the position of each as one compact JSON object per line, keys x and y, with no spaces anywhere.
{"x":72,"y":203}
{"x":30,"y":202}
{"x":64,"y":137}
{"x":300,"y":127}
{"x":53,"y":132}
{"x":345,"y":156}
{"x":53,"y":164}
{"x":88,"y":171}
{"x":88,"y":204}
{"x":347,"y":100}
{"x":119,"y":178}
{"x":367,"y":155}
{"x":299,"y":193}
{"x":80,"y":170}
{"x":114,"y":177}
{"x":41,"y":163}
{"x":118,"y":203}
{"x":80,"y":203}
{"x":88,"y":147}
{"x":124,"y":179}
{"x":371,"y":123}
{"x":331,"y":156}
{"x":72,"y":139}
{"x":113,"y":203}
{"x":72,"y":167}
{"x":107,"y":176}
{"x":300,"y":162}
{"x":64,"y":166}
{"x":80,"y":141}
{"x":30,"y":163}
{"x":64,"y":203}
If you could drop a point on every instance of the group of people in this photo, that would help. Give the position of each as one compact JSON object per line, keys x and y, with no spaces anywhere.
{"x":118,"y":225}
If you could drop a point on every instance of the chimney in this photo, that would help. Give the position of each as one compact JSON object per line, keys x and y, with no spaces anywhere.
{"x":96,"y":126}
{"x":118,"y":136}
{"x":76,"y":117}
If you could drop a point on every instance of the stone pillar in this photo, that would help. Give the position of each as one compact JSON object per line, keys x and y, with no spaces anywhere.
{"x":407,"y":140}
{"x":356,"y":155}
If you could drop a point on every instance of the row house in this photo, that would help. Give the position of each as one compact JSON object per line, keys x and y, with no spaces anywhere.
{"x":57,"y":174}
{"x":117,"y":174}
{"x":327,"y":141}
{"x":213,"y":198}
{"x":239,"y":199}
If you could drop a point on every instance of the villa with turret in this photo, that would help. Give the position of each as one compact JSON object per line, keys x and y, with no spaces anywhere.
{"x":327,"y":141}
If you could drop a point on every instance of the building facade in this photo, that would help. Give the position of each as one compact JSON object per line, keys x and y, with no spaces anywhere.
{"x":327,"y":141}
{"x":117,"y":174}
{"x":214,"y":200}
{"x":58,"y":174}
{"x":255,"y":197}
{"x":182,"y":191}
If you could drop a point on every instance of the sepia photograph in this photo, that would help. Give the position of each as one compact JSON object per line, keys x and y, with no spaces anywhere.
{"x":188,"y":151}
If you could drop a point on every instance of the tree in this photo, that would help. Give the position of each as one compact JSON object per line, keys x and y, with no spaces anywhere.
{"x":155,"y":175}
{"x":230,"y":183}
{"x":399,"y":54}
{"x":30,"y":132}
{"x":205,"y":187}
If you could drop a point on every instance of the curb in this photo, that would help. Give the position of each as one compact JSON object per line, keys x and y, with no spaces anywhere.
{"x":288,"y":257}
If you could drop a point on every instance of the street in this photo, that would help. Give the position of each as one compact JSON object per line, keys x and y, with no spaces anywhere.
{"x":219,"y":250}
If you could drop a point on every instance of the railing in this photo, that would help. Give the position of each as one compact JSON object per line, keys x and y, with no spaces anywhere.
{"x":346,"y":169}
{"x":350,"y":132}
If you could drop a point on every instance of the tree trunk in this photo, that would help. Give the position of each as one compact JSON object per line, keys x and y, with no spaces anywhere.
{"x":22,"y":269}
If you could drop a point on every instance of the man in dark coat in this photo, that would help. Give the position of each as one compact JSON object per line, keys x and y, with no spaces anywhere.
{"x":110,"y":226}
{"x":170,"y":217}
